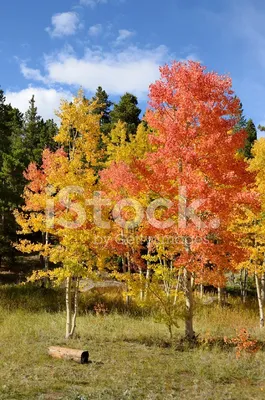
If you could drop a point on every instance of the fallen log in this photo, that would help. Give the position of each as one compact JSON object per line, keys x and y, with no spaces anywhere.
{"x":80,"y":356}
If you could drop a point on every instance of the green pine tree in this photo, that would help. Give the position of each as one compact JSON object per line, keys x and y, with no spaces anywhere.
{"x":12,"y":163}
{"x":242,"y":123}
{"x":104,"y":106}
{"x":22,"y":140}
{"x":251,"y":137}
{"x":250,"y":128}
{"x":127,"y":110}
{"x":38,"y":134}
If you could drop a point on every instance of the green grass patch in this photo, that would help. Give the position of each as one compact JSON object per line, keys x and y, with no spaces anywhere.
{"x":129,"y":353}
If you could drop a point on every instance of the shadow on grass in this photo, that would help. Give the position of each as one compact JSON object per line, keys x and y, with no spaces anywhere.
{"x":181,"y":344}
{"x":31,"y":298}
{"x":35,"y":298}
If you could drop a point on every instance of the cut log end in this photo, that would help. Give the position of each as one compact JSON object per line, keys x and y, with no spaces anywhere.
{"x":84,"y":357}
{"x":79,"y":356}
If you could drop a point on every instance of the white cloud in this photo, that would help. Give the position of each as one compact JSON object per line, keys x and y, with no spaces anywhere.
{"x":30,"y":73}
{"x":64,"y":24}
{"x":47,"y":100}
{"x":95,"y":30}
{"x":130,"y":70}
{"x":92,"y":3}
{"x":123,"y":35}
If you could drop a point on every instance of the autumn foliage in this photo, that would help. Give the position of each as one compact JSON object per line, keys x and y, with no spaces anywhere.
{"x":194,"y":163}
{"x":176,"y":184}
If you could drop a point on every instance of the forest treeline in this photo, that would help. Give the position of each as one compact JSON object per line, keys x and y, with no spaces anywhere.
{"x":23,"y":139}
{"x":184,"y":190}
{"x":25,"y":136}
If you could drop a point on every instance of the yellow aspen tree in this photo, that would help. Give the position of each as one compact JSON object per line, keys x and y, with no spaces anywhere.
{"x":250,"y":226}
{"x":56,"y":202}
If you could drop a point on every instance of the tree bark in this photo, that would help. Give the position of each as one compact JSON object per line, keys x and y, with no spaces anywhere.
{"x":177,"y":287}
{"x":80,"y":356}
{"x":129,"y":272}
{"x":189,"y":332}
{"x":261,"y":313}
{"x":46,"y":259}
{"x":147,"y":281}
{"x":263,"y":288}
{"x":201,"y":290}
{"x":76,"y":286}
{"x":123,"y":264}
{"x":148,"y":271}
{"x":220,"y":296}
{"x":243,"y":284}
{"x":68,"y":300}
{"x":141,"y":284}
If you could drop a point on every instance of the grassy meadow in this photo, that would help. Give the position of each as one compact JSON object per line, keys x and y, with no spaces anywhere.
{"x":130,"y":353}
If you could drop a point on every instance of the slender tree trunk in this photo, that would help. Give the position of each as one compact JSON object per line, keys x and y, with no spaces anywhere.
{"x":148,"y":271}
{"x":261,"y":313}
{"x":123,"y":264}
{"x":141,"y":284}
{"x":177,"y":287}
{"x":129,"y":272}
{"x":201,"y":290}
{"x":193,"y":277}
{"x":263,"y":288}
{"x":76,"y":288}
{"x":243,"y":284}
{"x":165,"y":280}
{"x":46,"y":259}
{"x":147,"y":281}
{"x":189,"y":332}
{"x":68,"y":299}
{"x":125,"y":269}
{"x":220,"y":296}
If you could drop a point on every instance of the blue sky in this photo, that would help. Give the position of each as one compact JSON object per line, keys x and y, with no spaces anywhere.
{"x":52,"y":48}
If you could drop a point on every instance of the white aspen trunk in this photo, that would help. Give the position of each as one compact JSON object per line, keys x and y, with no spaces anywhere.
{"x":261,"y":313}
{"x":245,"y":285}
{"x":201,"y":290}
{"x":76,"y":288}
{"x":141,"y":285}
{"x":68,"y":300}
{"x":148,"y":271}
{"x":189,"y":332}
{"x":193,"y":280}
{"x":263,"y":288}
{"x":177,"y":288}
{"x":165,"y":280}
{"x":220,"y":296}
{"x":129,"y":272}
{"x":187,"y":276}
{"x":241,"y":283}
{"x":46,"y":259}
{"x":148,"y":274}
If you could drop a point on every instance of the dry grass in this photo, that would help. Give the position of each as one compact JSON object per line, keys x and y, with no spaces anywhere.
{"x":129,"y":357}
